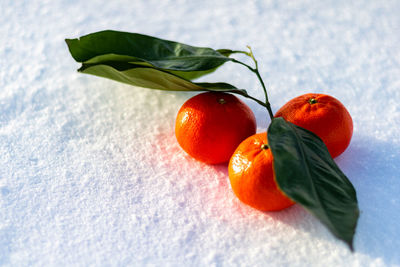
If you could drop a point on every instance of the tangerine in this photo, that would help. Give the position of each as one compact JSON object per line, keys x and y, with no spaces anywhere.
{"x":210,"y":126}
{"x":323,"y":115}
{"x":252,"y":176}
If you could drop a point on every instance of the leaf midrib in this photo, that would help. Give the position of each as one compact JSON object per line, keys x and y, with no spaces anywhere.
{"x":193,"y":56}
{"x":162,"y":59}
{"x":305,"y":159}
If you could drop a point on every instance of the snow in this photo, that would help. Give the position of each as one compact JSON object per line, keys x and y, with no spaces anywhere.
{"x":91,"y":173}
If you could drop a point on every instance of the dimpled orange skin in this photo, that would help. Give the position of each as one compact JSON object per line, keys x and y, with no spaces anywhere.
{"x":252,"y":177}
{"x":210,"y":126}
{"x":325,"y":116}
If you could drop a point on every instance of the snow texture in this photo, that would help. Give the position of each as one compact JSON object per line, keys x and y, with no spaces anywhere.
{"x":91,"y":173}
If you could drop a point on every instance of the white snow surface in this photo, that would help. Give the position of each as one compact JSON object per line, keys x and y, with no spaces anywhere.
{"x":91,"y":173}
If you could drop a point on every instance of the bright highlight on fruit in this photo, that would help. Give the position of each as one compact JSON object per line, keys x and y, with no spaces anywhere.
{"x":210,"y":126}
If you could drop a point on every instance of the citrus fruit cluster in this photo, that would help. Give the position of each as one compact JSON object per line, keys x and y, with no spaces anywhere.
{"x":291,"y":162}
{"x":216,"y":127}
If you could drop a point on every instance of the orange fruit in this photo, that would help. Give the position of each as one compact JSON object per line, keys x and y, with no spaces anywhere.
{"x":210,"y":126}
{"x":252,"y":176}
{"x":323,"y":115}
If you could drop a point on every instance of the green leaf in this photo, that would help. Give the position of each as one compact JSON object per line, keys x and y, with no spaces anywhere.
{"x":307,"y":174}
{"x":191,"y":75}
{"x":152,"y":78}
{"x":183,"y":60}
{"x":104,"y":59}
{"x":114,"y":57}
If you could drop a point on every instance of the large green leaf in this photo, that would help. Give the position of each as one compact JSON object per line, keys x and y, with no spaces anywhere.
{"x":307,"y":174}
{"x":184,"y":60}
{"x":152,"y":78}
{"x":104,"y":59}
